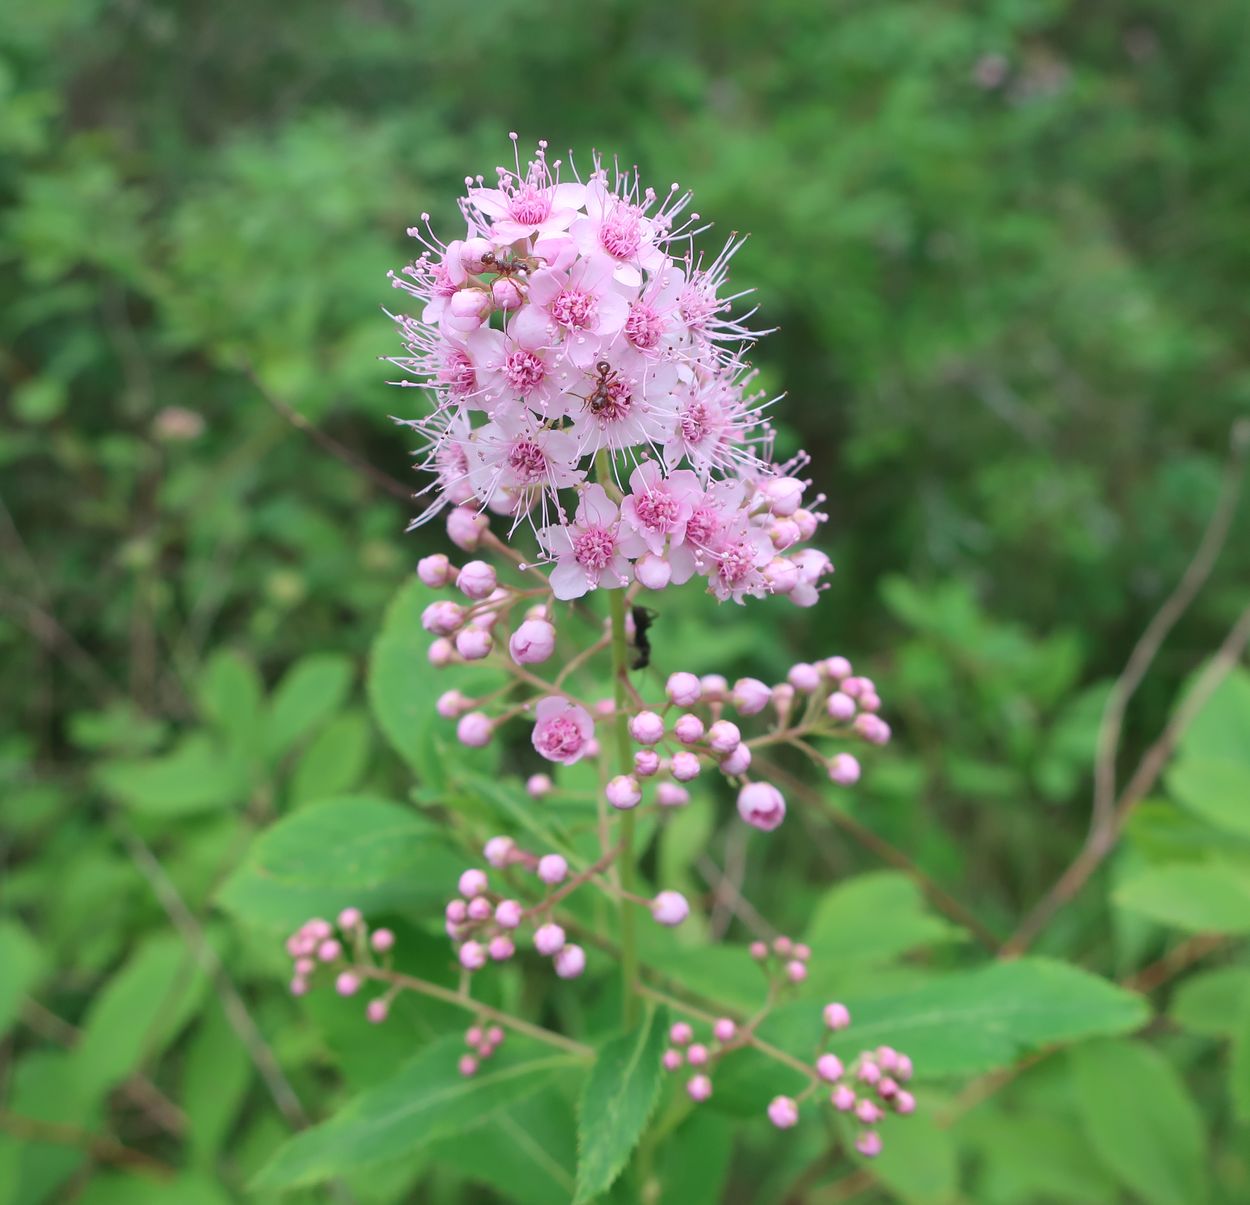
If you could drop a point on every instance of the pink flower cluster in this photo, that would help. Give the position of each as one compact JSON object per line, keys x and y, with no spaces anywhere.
{"x":482,"y":1042}
{"x":346,"y":950}
{"x":574,"y":318}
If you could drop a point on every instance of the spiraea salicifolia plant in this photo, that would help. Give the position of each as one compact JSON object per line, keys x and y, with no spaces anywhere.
{"x":591,"y":424}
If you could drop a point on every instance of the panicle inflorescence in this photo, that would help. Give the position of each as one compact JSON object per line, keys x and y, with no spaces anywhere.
{"x":574,"y":318}
{"x":347,"y":950}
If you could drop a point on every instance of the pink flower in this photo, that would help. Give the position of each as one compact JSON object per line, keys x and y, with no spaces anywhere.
{"x":619,"y":229}
{"x":657,"y":509}
{"x":761,"y":805}
{"x":533,"y":202}
{"x":783,"y":1112}
{"x":562,"y":730}
{"x":587,"y":551}
{"x":577,"y":305}
{"x":533,"y":642}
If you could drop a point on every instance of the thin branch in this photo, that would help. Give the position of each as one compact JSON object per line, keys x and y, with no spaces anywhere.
{"x":1102,"y":840}
{"x":1179,"y":958}
{"x":98,"y":1146}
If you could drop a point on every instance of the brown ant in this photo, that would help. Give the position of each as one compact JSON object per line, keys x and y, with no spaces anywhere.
{"x":517,"y":266}
{"x":601,"y":397}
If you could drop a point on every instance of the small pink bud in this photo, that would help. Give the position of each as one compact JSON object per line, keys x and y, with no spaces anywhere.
{"x":508,"y":914}
{"x":570,"y":962}
{"x":382,"y":940}
{"x":473,"y":1036}
{"x":671,"y":1060}
{"x":442,"y":652}
{"x":783,"y":1112}
{"x":904,"y":1102}
{"x":623,"y":792}
{"x":477,"y":580}
{"x":869,"y":1112}
{"x":319,"y":928}
{"x":480,"y":908}
{"x":837,"y":1016}
{"x":869,"y":701}
{"x":670,"y":908}
{"x":473,"y":882}
{"x":840,"y":706}
{"x":887,"y":1058}
{"x":688,"y":729}
{"x":434,"y":571}
{"x":680,"y":1034}
{"x":498,"y":851}
{"x":784,"y":533}
{"x":299,"y":986}
{"x":495,"y":1035}
{"x":724,"y":1030}
{"x":902,"y":1068}
{"x":784,"y":494}
{"x":457,"y":911}
{"x":738,"y":762}
{"x":552,"y":869}
{"x":474,"y":730}
{"x":670,"y":795}
{"x":723,"y":737}
{"x":886,"y":1088}
{"x":465,"y":527}
{"x":783,"y":698}
{"x":844,"y":770}
{"x":471,"y":252}
{"x":806,"y":522}
{"x":699,"y":1088}
{"x":538,"y":785}
{"x":347,"y":984}
{"x":506,"y":295}
{"x":750,"y":696}
{"x":783,"y":946}
{"x":305,"y":966}
{"x":872,"y":728}
{"x":796,"y":971}
{"x":683,"y":689}
{"x":473,"y":644}
{"x":697,"y":1055}
{"x":646,"y":727}
{"x":328,"y":951}
{"x":533,"y":642}
{"x":868,"y":1071}
{"x":442,"y":617}
{"x":782,"y":575}
{"x":761,"y":805}
{"x":759,"y":951}
{"x":802,"y":952}
{"x":684,"y":765}
{"x":829,"y":1067}
{"x":837,"y":668}
{"x":654,"y":572}
{"x":853,"y":687}
{"x":804,"y":678}
{"x":549,"y":939}
{"x":469,"y":304}
{"x":646,"y":763}
{"x":843,"y":1098}
{"x":868,"y":1144}
{"x":467,"y":1065}
{"x":450,"y":704}
{"x":472,"y":956}
{"x":500,"y":948}
{"x":376,"y":1011}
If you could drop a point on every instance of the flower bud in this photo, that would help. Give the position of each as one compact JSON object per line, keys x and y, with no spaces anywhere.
{"x":646,"y":763}
{"x":840,"y":706}
{"x":472,"y":251}
{"x":549,"y":939}
{"x":688,"y":729}
{"x":783,"y":1112}
{"x":796,"y":971}
{"x":672,"y":1060}
{"x":538,"y":785}
{"x":844,"y":770}
{"x":837,"y":668}
{"x":868,"y":1144}
{"x":473,"y":882}
{"x":442,"y":617}
{"x":723,"y":737}
{"x":724,"y":1030}
{"x":450,"y":704}
{"x":683,"y":689}
{"x":467,"y":1065}
{"x":382,"y":940}
{"x":804,"y":677}
{"x":699,"y":1088}
{"x":781,"y":574}
{"x":904,"y":1102}
{"x":784,"y":534}
{"x":552,"y":869}
{"x":500,"y":948}
{"x":347,"y":984}
{"x":738,"y":762}
{"x":442,"y":652}
{"x":480,"y":908}
{"x":869,"y":1112}
{"x":761,"y":805}
{"x":684,"y":766}
{"x":434,"y":570}
{"x":697,"y":1055}
{"x":474,"y":730}
{"x":477,"y":580}
{"x":329,"y":950}
{"x":837,"y":1016}
{"x":623,"y":792}
{"x":646,"y":727}
{"x":670,"y":908}
{"x":508,"y":914}
{"x":750,"y":696}
{"x":465,"y":527}
{"x":670,"y":795}
{"x":498,"y":851}
{"x":653,"y":571}
{"x":784,"y":494}
{"x":533,"y":642}
{"x":843,"y":1098}
{"x":506,"y":295}
{"x":570,"y":962}
{"x":468,"y":304}
{"x":473,"y":644}
{"x":714,"y":687}
{"x":472,"y":956}
{"x":806,"y":522}
{"x":829,"y":1067}
{"x":376,"y":1010}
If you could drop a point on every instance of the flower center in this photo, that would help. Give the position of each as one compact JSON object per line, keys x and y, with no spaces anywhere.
{"x":694,"y":422}
{"x":594,"y":549}
{"x":643,"y":327}
{"x":734,"y":563}
{"x":527,"y":460}
{"x":656,"y":510}
{"x":574,"y":309}
{"x":529,"y":206}
{"x":702,"y":526}
{"x":621,"y":232}
{"x":614,"y":402}
{"x":459,"y":374}
{"x":524,"y":371}
{"x":561,"y":738}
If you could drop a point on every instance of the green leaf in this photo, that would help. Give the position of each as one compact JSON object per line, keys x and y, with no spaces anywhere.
{"x":917,"y":1160}
{"x":335,"y":760}
{"x":356,"y":850}
{"x":311,"y":691}
{"x":137,"y":1013}
{"x":1219,"y":730}
{"x":194,"y":777}
{"x":616,"y":1104}
{"x":1141,"y":1121}
{"x":21,"y":964}
{"x":1210,"y":1003}
{"x":426,"y":1100}
{"x":1208,"y":897}
{"x":1239,"y":1070}
{"x":1217,"y":789}
{"x":694,"y":1163}
{"x":972,"y":1021}
{"x":231,"y":697}
{"x":215,"y":1079}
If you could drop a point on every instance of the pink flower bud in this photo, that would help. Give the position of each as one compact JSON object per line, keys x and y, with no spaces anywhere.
{"x":472,"y":956}
{"x":869,"y":1072}
{"x":887,"y":1088}
{"x":476,"y":580}
{"x":699,"y":1088}
{"x":784,"y":494}
{"x":480,"y":909}
{"x":473,"y":644}
{"x":751,"y":696}
{"x":796,"y":971}
{"x":784,"y":533}
{"x":434,"y":571}
{"x":474,"y":730}
{"x":671,"y":1060}
{"x":829,"y":1067}
{"x":761,"y":805}
{"x":807,"y":522}
{"x":804,"y":677}
{"x":714,"y":687}
{"x":533,"y":642}
{"x":872,"y":728}
{"x":473,"y":1036}
{"x":328,"y":951}
{"x":473,"y":882}
{"x":457,"y":911}
{"x":869,"y":1112}
{"x":498,"y":851}
{"x":902,"y":1068}
{"x":724,"y":1030}
{"x":299,"y":986}
{"x":468,"y":304}
{"x":508,"y":914}
{"x":840,"y":706}
{"x":837,"y":1016}
{"x":670,"y":908}
{"x":646,"y":727}
{"x":724,"y":737}
{"x":467,"y":1065}
{"x":471,"y":252}
{"x":688,"y":729}
{"x":570,"y":962}
{"x":696,"y":1056}
{"x":552,"y":869}
{"x":305,"y":966}
{"x":549,"y":939}
{"x":623,"y":792}
{"x":382,"y":940}
{"x":868,"y":1144}
{"x":853,"y":687}
{"x":684,"y":766}
{"x":738,"y":762}
{"x":837,"y":668}
{"x":781,"y":575}
{"x":506,"y":295}
{"x":683,"y":689}
{"x":802,"y":952}
{"x":646,"y":763}
{"x":844,"y":769}
{"x":783,"y":698}
{"x":538,"y":785}
{"x":904,"y":1102}
{"x":376,"y":1011}
{"x":450,"y":704}
{"x":500,"y":948}
{"x":495,"y":1035}
{"x":783,"y":946}
{"x":843,"y":1098}
{"x":680,"y":1033}
{"x":758,"y":950}
{"x":465,"y":527}
{"x":783,"y":1112}
{"x":442,"y":617}
{"x":442,"y":652}
{"x":347,"y":984}
{"x":319,"y":928}
{"x":653,"y":571}
{"x":670,"y":795}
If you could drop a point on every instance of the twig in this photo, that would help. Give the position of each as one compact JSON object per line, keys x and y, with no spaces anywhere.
{"x":1179,"y":958}
{"x":1102,"y":840}
{"x":98,"y":1146}
{"x":735,"y":903}
{"x":1176,"y":604}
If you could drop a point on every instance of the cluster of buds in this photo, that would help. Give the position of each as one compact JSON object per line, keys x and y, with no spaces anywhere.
{"x":572,"y":321}
{"x":484,"y":924}
{"x":482,"y":1041}
{"x":346,"y":950}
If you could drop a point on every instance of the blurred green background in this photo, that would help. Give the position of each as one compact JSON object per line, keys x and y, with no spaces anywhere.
{"x":1007,"y":248}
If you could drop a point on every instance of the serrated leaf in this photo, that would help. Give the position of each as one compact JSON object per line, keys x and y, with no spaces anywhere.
{"x":1207,"y":897}
{"x":357,"y":850}
{"x":21,"y":963}
{"x":311,"y":691}
{"x":1210,"y":1002}
{"x":1141,"y":1121}
{"x":616,"y":1104}
{"x":426,"y":1100}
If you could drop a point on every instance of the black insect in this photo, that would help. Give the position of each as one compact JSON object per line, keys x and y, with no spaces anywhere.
{"x":601,"y":396}
{"x":643,"y":618}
